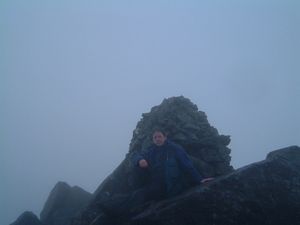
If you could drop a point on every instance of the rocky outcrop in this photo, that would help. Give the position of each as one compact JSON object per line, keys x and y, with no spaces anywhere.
{"x":63,"y":203}
{"x":27,"y":218}
{"x":265,"y":193}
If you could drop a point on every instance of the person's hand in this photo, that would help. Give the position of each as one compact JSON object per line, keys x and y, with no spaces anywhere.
{"x":143,"y":163}
{"x":205,"y":180}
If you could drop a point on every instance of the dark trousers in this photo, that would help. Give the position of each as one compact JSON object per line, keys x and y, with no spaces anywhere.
{"x":143,"y":191}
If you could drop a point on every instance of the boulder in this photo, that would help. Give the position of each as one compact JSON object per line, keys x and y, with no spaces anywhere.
{"x":265,"y":193}
{"x":27,"y":218}
{"x":63,"y":203}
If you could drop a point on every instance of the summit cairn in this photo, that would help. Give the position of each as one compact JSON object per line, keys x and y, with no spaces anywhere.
{"x":188,"y":127}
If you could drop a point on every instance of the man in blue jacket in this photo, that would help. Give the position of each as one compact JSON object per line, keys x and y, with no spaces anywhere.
{"x":170,"y":169}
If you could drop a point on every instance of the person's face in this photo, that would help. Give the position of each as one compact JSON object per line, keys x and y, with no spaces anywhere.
{"x":158,"y":138}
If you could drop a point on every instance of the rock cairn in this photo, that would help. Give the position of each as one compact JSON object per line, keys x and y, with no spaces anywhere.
{"x":189,"y":127}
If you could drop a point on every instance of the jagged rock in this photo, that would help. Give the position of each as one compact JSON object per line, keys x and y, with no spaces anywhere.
{"x":63,"y":203}
{"x":27,"y":218}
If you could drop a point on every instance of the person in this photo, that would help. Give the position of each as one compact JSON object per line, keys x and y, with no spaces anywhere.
{"x":170,"y":169}
{"x":170,"y":172}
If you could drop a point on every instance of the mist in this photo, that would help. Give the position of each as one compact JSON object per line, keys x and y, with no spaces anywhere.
{"x":76,"y":76}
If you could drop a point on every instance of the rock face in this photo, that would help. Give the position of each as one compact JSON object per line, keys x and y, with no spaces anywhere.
{"x":27,"y":218}
{"x":63,"y":203}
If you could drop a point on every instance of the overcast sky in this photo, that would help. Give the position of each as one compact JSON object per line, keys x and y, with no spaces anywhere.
{"x":77,"y":75}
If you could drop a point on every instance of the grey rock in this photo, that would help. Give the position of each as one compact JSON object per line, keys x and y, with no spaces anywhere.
{"x":63,"y":203}
{"x":27,"y":218}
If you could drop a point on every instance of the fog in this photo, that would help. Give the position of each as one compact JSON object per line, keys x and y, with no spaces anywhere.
{"x":75,"y":77}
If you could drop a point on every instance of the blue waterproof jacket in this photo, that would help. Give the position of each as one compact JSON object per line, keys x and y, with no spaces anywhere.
{"x":169,"y":166}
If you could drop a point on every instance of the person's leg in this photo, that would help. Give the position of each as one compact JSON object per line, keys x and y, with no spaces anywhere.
{"x":142,"y":195}
{"x":138,"y":178}
{"x":121,"y":204}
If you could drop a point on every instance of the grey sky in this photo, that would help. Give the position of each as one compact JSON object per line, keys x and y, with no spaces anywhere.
{"x":77,"y":75}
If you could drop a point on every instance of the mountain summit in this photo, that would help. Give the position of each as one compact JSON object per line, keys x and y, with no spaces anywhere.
{"x":265,"y":192}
